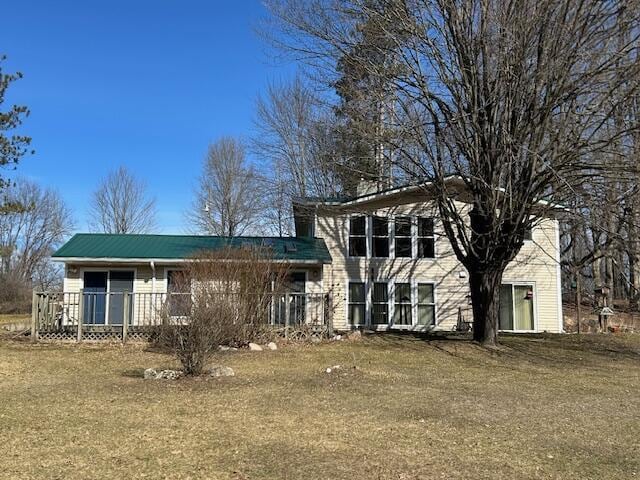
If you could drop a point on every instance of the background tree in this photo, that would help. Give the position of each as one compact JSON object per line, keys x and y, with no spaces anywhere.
{"x":121,"y":205}
{"x":30,"y":231}
{"x":12,"y":146}
{"x":295,"y":135}
{"x":515,"y":99}
{"x":229,"y":197}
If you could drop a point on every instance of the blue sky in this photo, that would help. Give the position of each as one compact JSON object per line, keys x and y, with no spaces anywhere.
{"x":143,"y":83}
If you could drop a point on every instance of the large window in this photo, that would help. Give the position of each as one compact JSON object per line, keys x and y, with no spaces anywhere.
{"x":426,"y":304}
{"x":426,"y":240}
{"x":516,"y":307}
{"x":402,"y":304}
{"x":380,"y":303}
{"x":358,"y":236}
{"x":357,"y":303}
{"x":380,"y":237}
{"x":402,"y":231}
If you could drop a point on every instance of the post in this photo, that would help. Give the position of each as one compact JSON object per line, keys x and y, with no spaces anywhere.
{"x":578,"y":301}
{"x":287,"y":309}
{"x":34,"y":317}
{"x":125,"y":317}
{"x":80,"y":314}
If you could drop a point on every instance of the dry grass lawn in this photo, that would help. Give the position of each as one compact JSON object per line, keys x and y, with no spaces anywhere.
{"x":564,"y":407}
{"x":19,"y":318}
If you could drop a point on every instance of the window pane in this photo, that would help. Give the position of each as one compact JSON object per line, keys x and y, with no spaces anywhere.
{"x":426,"y":315}
{"x":528,"y":234}
{"x":425,"y":227}
{"x":380,"y":292}
{"x":403,"y":226}
{"x":425,"y":293}
{"x":402,"y":314}
{"x":356,"y":292}
{"x":357,"y":247}
{"x":356,"y":314}
{"x":506,"y":307}
{"x":380,"y":227}
{"x":403,"y":292}
{"x":357,"y":225}
{"x":380,"y":247}
{"x":523,"y":319}
{"x":426,"y":248}
{"x":403,"y":247}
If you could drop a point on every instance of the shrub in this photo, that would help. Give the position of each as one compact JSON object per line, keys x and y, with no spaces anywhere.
{"x":226,"y":299}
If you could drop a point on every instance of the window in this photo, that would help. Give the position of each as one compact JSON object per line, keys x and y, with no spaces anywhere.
{"x":426,"y":304}
{"x":402,"y":304}
{"x":380,"y":237}
{"x":380,"y":303}
{"x":356,"y":303}
{"x":178,"y":293}
{"x":426,"y":242}
{"x":516,"y":307}
{"x":357,"y":237}
{"x":402,"y":229}
{"x":528,"y":233}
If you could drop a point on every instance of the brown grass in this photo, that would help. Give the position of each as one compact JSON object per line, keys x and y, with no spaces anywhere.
{"x":562,"y":407}
{"x":24,"y":319}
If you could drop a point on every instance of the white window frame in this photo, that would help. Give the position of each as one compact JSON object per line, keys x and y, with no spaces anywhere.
{"x":522,"y":283}
{"x":108,"y":271}
{"x":367,"y":235}
{"x":366,"y":303}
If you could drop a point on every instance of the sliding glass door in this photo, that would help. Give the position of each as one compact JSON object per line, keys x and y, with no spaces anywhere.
{"x":516,"y":307}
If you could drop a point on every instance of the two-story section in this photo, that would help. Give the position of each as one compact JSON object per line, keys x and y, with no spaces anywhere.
{"x":393,"y":267}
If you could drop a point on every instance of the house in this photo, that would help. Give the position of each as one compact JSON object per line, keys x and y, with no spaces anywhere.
{"x":379,"y":260}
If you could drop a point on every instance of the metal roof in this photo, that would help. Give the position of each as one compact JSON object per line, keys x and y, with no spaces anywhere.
{"x":107,"y":247}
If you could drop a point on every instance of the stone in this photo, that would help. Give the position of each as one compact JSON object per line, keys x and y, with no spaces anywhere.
{"x":168,"y":374}
{"x":333,"y":369}
{"x":337,"y":338}
{"x":272,"y":346}
{"x":222,"y":371}
{"x":150,"y":374}
{"x":224,"y":348}
{"x":316,"y":340}
{"x":255,"y":347}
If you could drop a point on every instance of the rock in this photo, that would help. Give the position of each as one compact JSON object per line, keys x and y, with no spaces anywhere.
{"x":223,"y":348}
{"x":255,"y":347}
{"x":316,"y":340}
{"x":272,"y":346}
{"x":221,"y":371}
{"x":333,"y":369}
{"x":337,"y":338}
{"x":168,"y":375}
{"x":150,"y":374}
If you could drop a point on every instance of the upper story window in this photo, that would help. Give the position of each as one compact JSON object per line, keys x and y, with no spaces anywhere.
{"x":358,"y":236}
{"x":380,"y":237}
{"x":528,"y":234}
{"x":402,"y":231}
{"x":426,"y":238}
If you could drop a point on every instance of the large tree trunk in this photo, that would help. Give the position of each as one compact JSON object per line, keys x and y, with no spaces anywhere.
{"x":485,"y":299}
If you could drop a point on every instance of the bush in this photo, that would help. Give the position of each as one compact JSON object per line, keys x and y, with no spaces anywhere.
{"x":226,"y":299}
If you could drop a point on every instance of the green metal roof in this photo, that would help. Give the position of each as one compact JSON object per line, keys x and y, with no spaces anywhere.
{"x":95,"y":246}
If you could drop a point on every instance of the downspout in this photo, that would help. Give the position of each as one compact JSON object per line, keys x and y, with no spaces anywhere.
{"x":153,"y":277}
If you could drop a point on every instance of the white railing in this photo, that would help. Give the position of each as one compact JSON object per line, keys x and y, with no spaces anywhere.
{"x":63,"y":314}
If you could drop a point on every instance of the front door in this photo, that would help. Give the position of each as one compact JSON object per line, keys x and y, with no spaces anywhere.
{"x":120,"y":282}
{"x":94,"y":298}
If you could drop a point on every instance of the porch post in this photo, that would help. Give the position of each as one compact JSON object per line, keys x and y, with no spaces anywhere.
{"x":80,"y":315}
{"x":287,"y":309}
{"x":125,"y":317}
{"x":34,"y":316}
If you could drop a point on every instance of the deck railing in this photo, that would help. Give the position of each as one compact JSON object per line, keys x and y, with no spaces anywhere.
{"x":86,"y":315}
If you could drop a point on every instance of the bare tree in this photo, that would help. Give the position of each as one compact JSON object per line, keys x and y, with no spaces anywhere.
{"x":517,"y":100}
{"x":295,"y":136}
{"x":229,"y":197}
{"x":29,"y":232}
{"x":121,"y":205}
